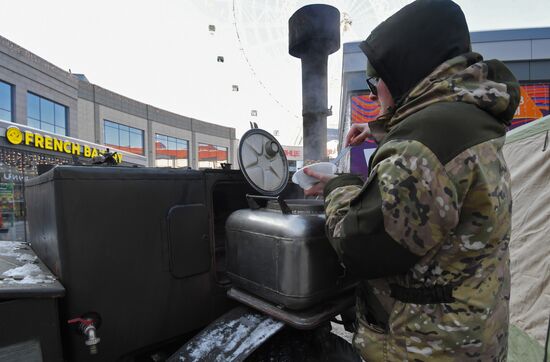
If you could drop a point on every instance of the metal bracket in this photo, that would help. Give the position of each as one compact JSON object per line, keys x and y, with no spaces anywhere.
{"x":306,"y":319}
{"x":253,"y":204}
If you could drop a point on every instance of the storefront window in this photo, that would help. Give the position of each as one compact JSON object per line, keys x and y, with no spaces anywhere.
{"x":123,"y":137}
{"x":171,"y":151}
{"x":16,"y":167}
{"x":211,"y":156}
{"x":46,"y":115}
{"x":5,"y":101}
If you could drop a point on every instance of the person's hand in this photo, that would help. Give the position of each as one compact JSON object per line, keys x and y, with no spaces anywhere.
{"x":318,"y":188}
{"x":357,"y":134}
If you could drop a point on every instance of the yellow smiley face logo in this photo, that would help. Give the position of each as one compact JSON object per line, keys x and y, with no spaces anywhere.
{"x":14,"y":135}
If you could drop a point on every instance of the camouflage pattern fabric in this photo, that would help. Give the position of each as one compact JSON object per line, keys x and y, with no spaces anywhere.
{"x":337,"y":204}
{"x":455,"y":217}
{"x":472,"y":254}
{"x":461,"y":79}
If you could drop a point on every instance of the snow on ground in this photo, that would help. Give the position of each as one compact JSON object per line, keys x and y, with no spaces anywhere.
{"x":25,"y":270}
{"x":9,"y":248}
{"x":27,"y":258}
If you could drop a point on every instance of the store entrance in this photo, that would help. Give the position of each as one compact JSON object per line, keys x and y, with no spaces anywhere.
{"x":16,"y":167}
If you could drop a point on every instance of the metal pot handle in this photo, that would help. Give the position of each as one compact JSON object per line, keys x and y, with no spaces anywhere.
{"x":253,"y":204}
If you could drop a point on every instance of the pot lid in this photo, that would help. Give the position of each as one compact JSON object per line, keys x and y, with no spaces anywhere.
{"x":263,"y":162}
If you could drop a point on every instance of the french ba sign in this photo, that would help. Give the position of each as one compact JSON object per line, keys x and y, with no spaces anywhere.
{"x":17,"y":137}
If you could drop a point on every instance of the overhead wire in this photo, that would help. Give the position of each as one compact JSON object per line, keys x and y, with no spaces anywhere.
{"x":253,"y":71}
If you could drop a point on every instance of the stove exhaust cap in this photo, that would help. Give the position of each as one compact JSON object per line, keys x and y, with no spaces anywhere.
{"x":313,"y":34}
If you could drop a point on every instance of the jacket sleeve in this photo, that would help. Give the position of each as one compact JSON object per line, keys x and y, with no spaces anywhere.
{"x":338,"y":193}
{"x":407,"y":207}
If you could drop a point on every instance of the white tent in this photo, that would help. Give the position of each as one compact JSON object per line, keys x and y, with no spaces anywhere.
{"x":527,"y":154}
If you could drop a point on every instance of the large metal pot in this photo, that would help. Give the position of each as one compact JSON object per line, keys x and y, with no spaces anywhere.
{"x":280,"y":252}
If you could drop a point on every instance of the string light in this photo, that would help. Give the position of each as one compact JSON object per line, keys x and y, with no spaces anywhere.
{"x":253,"y":71}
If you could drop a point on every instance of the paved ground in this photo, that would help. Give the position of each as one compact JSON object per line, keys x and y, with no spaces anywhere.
{"x":13,"y":231}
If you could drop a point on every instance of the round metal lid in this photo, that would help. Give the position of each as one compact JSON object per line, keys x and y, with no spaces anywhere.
{"x":263,"y":162}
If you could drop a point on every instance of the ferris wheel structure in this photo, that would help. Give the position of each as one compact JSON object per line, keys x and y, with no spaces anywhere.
{"x":261,"y":27}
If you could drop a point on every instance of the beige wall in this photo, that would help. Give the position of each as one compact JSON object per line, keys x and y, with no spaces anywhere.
{"x":30,"y":73}
{"x":85,"y":120}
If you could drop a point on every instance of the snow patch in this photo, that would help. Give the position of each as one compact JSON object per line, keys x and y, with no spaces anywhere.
{"x":36,"y":279}
{"x":23,"y":271}
{"x":257,"y":336}
{"x":9,"y":248}
{"x":210,"y":341}
{"x":27,"y":258}
{"x":26,"y":274}
{"x":234,"y":338}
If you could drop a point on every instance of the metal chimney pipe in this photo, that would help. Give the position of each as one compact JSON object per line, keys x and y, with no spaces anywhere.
{"x":313,"y":34}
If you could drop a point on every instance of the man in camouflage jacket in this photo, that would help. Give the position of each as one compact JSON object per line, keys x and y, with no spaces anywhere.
{"x":428,"y":231}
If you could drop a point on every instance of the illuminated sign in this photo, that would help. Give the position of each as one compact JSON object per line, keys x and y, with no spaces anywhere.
{"x":534,"y":103}
{"x":527,"y":107}
{"x":28,"y":138}
{"x":293,"y":153}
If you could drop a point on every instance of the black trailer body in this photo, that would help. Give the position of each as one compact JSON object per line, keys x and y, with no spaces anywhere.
{"x":29,"y":319}
{"x":142,"y":247}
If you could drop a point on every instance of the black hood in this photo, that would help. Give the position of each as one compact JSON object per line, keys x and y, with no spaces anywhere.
{"x":410,"y":44}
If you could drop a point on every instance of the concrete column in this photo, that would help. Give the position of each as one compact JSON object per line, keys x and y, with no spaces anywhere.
{"x":150,"y":140}
{"x":194,"y":154}
{"x":97,"y":123}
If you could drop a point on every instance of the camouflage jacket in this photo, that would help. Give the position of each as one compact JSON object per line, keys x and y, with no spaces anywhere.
{"x":433,"y":215}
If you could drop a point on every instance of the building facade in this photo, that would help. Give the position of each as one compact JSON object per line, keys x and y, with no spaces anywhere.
{"x":37,"y":94}
{"x":50,"y":116}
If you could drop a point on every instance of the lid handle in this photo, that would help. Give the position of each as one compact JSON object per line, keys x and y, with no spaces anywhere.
{"x":271,"y":148}
{"x":253,"y":204}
